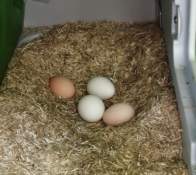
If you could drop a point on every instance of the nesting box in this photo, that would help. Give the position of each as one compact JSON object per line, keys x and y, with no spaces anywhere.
{"x":176,"y":20}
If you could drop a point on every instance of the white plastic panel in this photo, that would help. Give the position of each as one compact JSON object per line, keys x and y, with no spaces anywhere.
{"x":177,"y":26}
{"x":60,"y":11}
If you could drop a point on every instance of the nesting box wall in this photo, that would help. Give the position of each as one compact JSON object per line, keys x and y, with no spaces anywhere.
{"x":49,"y":12}
{"x":11,"y":23}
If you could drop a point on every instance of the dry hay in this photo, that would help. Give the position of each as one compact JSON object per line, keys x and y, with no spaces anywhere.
{"x":43,"y":134}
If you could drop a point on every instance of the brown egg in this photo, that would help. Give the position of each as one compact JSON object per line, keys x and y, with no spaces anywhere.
{"x":118,"y":114}
{"x":62,"y":86}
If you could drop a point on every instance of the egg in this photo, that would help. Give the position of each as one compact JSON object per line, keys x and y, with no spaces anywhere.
{"x":91,"y":108}
{"x":101,"y":87}
{"x":62,"y":86}
{"x":118,"y":114}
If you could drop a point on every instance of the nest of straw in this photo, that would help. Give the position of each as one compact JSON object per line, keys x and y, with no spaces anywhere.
{"x":43,"y":134}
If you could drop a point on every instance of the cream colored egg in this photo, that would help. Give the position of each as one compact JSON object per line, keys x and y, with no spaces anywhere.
{"x":91,"y":108}
{"x":118,"y":114}
{"x":101,"y":87}
{"x":62,"y":86}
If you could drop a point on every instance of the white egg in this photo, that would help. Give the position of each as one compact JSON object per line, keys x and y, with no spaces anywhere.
{"x":91,"y":108}
{"x":101,"y":87}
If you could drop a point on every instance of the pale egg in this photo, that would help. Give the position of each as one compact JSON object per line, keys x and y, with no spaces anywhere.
{"x":118,"y":114}
{"x":101,"y":87}
{"x":62,"y":86}
{"x":91,"y":108}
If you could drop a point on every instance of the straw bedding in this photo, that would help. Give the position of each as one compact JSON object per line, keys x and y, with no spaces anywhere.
{"x":43,"y":134}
